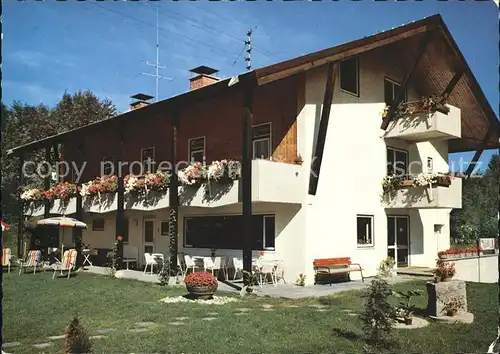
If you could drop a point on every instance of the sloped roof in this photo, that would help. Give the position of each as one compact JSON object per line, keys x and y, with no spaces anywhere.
{"x":442,"y":59}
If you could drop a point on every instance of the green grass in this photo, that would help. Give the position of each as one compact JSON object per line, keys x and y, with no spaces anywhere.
{"x":35,"y":307}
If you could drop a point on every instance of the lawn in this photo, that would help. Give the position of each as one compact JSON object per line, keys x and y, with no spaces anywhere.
{"x":36,"y":307}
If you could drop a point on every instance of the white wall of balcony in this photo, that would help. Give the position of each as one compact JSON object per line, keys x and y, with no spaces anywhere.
{"x":426,"y":197}
{"x":427,"y":126}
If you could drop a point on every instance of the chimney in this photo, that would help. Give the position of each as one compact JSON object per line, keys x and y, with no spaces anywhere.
{"x":140,"y":101}
{"x":203,"y":78}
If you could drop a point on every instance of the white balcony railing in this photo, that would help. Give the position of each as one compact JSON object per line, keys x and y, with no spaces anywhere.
{"x":427,"y":126}
{"x":437,"y":196}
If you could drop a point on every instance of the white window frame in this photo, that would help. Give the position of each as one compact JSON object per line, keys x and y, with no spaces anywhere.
{"x":394,"y":150}
{"x":112,"y":160}
{"x":372,"y":226}
{"x":143,"y":162}
{"x":430,"y":165}
{"x":269,"y":142}
{"x":394,"y":82}
{"x":195,"y":151}
{"x":357,"y":94}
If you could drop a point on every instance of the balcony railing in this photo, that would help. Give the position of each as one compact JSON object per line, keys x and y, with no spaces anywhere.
{"x":415,"y":122}
{"x":271,"y":182}
{"x":422,"y":191}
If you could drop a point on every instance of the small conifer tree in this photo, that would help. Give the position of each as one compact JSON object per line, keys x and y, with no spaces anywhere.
{"x":77,"y":340}
{"x":379,"y":314}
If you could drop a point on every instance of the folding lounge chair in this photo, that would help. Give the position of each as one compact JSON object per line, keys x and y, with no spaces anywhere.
{"x":6,"y":257}
{"x":68,"y":263}
{"x":34,"y":258}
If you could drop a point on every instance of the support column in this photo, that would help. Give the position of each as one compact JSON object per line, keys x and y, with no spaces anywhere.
{"x":120,"y":210}
{"x":46,"y":205}
{"x":173,"y":222}
{"x":77,"y":232}
{"x":20,"y":227}
{"x":246,"y":180}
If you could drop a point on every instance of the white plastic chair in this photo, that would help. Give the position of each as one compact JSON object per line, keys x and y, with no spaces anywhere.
{"x":181,"y":267}
{"x":238,"y":267}
{"x":211,"y":264}
{"x":190,"y":263}
{"x":279,"y":273}
{"x":266,"y":268}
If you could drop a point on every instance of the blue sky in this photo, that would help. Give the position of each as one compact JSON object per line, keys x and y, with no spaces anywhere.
{"x":51,"y":47}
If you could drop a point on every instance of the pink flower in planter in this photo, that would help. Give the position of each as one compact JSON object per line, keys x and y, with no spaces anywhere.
{"x":119,"y":238}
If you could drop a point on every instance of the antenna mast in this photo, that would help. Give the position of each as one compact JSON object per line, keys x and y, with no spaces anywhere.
{"x":248,"y":42}
{"x":157,"y":63}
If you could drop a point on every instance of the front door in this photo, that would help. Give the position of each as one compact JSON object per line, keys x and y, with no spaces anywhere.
{"x":397,"y":239}
{"x":149,"y":236}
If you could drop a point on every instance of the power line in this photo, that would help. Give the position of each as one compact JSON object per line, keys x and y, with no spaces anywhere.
{"x":161,"y":28}
{"x":241,"y":51}
{"x":248,"y":43}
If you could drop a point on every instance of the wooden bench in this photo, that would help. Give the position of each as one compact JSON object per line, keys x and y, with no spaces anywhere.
{"x":331,"y":266}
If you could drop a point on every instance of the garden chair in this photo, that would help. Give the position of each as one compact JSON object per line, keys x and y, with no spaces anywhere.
{"x":211,"y":264}
{"x":190,"y":263}
{"x":68,"y":263}
{"x":181,"y":267}
{"x":32,"y":260}
{"x":152,"y":260}
{"x":238,"y":267}
{"x":265,"y":268}
{"x":6,"y":257}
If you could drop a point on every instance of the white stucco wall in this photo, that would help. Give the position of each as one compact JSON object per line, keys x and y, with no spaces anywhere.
{"x":354,"y":163}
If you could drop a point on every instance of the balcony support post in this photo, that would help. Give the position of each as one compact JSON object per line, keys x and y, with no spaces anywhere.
{"x":479,"y":151}
{"x":423,"y":46}
{"x":453,"y":82}
{"x":246,"y":181}
{"x":173,"y":224}
{"x":120,"y":208}
{"x":20,"y":227}
{"x":78,"y":232}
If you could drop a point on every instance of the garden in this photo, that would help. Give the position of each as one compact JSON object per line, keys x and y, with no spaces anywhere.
{"x":129,"y":316}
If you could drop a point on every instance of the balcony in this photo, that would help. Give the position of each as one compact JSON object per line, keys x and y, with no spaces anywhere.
{"x":272,"y":182}
{"x":427,"y":126}
{"x":436,"y":195}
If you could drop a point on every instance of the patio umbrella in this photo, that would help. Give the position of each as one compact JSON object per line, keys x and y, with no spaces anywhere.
{"x":63,"y":221}
{"x":5,"y":227}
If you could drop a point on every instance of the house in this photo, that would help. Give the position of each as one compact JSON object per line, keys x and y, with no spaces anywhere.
{"x":322,"y":134}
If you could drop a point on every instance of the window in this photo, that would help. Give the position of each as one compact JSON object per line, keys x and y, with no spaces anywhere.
{"x":225,"y":232}
{"x":349,"y":76}
{"x":124,"y":234}
{"x":197,"y":149}
{"x":391,"y":89}
{"x":261,"y":141}
{"x":397,"y":162}
{"x":107,"y":166}
{"x":98,"y":225}
{"x":164,"y":228}
{"x":430,"y":165}
{"x":365,"y":230}
{"x":148,"y":158}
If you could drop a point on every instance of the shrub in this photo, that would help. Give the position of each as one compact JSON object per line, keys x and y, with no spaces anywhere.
{"x":200,"y":279}
{"x":386,"y":267}
{"x":379,"y":314}
{"x":77,"y":340}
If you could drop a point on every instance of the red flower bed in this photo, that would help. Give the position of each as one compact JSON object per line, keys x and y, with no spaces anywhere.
{"x":200,"y":279}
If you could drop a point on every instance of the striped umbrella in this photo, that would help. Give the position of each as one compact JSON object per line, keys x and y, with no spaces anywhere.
{"x":5,"y":227}
{"x":62,"y":221}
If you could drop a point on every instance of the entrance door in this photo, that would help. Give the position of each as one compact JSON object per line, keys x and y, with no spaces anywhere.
{"x":149,"y":236}
{"x":397,"y":239}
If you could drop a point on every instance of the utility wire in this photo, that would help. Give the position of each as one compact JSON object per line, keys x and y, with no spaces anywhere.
{"x":161,"y":28}
{"x":241,"y":51}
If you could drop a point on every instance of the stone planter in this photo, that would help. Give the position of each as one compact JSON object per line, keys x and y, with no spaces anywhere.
{"x":408,"y":321}
{"x":452,"y":313}
{"x":201,"y":292}
{"x":447,"y":279}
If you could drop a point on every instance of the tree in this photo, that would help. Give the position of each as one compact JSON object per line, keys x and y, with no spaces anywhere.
{"x":23,"y":123}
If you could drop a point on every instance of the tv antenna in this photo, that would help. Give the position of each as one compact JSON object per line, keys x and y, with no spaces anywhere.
{"x":157,"y":65}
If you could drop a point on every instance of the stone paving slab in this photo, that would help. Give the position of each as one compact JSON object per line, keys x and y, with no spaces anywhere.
{"x":138,"y":330}
{"x":181,"y":318}
{"x":98,"y":337}
{"x":212,"y":313}
{"x":241,"y":313}
{"x":209,"y":318}
{"x":105,"y":330}
{"x":291,"y":306}
{"x":318,"y":306}
{"x":267,"y":306}
{"x":352,"y":314}
{"x":62,"y":336}
{"x":268,"y":310}
{"x":348,"y":311}
{"x":42,"y":345}
{"x":416,"y":323}
{"x":11,"y":344}
{"x":243,"y":309}
{"x":322,"y":310}
{"x":144,"y":324}
{"x":176,"y":323}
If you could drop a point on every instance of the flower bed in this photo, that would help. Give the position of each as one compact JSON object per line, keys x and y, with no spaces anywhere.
{"x":391,"y":182}
{"x":460,"y":252}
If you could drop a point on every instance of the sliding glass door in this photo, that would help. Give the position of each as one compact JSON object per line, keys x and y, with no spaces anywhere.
{"x":398,"y":239}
